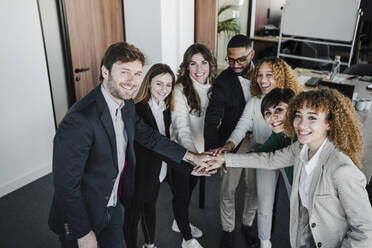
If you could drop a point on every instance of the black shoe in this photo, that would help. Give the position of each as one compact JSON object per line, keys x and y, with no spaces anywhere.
{"x":250,"y":234}
{"x":227,"y":240}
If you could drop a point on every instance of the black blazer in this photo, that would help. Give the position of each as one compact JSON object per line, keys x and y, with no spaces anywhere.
{"x":225,"y":107}
{"x":85,"y":163}
{"x":148,"y":164}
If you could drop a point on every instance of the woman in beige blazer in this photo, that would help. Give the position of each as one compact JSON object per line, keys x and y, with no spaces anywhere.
{"x":329,"y":205}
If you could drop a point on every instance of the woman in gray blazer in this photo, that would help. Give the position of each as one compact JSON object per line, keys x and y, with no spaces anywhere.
{"x":329,"y":205}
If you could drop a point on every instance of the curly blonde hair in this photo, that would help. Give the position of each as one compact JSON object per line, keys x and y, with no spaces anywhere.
{"x":345,"y":127}
{"x":282,"y":73}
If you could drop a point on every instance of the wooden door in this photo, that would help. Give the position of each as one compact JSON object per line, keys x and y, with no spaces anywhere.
{"x":206,"y":23}
{"x":90,"y":27}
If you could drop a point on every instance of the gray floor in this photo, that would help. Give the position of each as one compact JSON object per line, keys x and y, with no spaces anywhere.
{"x":23,"y":217}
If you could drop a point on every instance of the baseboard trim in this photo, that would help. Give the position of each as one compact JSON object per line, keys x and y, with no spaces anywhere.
{"x":23,"y":180}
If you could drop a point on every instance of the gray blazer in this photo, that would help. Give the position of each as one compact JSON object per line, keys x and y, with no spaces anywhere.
{"x":340,"y":214}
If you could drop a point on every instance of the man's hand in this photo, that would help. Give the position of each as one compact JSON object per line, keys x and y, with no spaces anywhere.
{"x":198,"y":159}
{"x":228,"y":147}
{"x":88,"y":241}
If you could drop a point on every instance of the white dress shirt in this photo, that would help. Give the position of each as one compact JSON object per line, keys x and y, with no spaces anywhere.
{"x":307,"y":172}
{"x":121,"y":141}
{"x":246,"y":85}
{"x":157,"y":111}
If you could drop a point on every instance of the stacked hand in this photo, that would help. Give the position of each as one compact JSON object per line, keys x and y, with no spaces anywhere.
{"x":208,"y":163}
{"x":215,"y":162}
{"x":228,"y":147}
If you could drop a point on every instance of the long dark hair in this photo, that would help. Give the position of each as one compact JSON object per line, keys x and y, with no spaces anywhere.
{"x":183,"y":77}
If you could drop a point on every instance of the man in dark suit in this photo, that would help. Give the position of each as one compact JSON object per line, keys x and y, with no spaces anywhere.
{"x":230,"y":93}
{"x":93,"y":155}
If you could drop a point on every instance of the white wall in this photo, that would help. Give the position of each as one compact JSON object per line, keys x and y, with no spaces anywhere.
{"x":53,"y":45}
{"x":27,"y":123}
{"x":241,"y":13}
{"x":162,"y":30}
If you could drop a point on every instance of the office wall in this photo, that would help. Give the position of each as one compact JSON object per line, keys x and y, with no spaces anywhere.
{"x":53,"y":45}
{"x":240,"y":12}
{"x":27,"y":123}
{"x":163,"y":30}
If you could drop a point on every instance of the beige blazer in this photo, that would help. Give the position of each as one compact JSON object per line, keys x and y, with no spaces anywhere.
{"x":340,"y":214}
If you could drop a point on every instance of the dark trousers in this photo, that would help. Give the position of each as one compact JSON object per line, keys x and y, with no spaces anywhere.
{"x":110,"y":236}
{"x":182,"y":187}
{"x":144,"y":210}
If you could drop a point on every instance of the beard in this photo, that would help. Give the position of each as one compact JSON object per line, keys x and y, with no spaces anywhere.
{"x":112,"y":88}
{"x":244,"y":71}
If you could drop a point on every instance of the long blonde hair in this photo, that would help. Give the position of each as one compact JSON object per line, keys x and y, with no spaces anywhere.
{"x":144,"y":93}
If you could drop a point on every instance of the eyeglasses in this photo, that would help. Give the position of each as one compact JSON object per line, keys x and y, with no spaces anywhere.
{"x":240,"y":60}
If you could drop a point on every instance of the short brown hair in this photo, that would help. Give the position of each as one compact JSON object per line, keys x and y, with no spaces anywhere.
{"x":123,"y":52}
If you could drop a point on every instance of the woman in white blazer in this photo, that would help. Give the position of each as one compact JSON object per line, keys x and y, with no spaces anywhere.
{"x":329,"y":205}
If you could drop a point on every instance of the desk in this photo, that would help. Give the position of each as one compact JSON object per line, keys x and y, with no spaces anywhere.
{"x":365,"y":116}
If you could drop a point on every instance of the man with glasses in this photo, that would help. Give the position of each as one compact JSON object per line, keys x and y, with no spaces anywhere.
{"x":229,"y":95}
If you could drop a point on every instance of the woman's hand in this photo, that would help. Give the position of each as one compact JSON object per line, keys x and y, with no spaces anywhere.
{"x":216,"y":162}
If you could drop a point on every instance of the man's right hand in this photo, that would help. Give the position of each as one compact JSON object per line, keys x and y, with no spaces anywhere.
{"x":88,"y":241}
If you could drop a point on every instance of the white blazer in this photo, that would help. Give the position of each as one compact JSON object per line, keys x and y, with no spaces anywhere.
{"x":340,"y":214}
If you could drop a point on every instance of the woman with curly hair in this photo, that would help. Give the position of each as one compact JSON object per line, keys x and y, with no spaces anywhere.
{"x":270,"y":73}
{"x":196,"y":75}
{"x":329,"y":205}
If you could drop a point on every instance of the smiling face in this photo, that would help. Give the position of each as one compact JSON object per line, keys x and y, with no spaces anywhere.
{"x":275,"y":116}
{"x":265,"y":78}
{"x":199,"y":68}
{"x":123,"y":79}
{"x":310,"y":127}
{"x":239,"y":59}
{"x":161,"y":87}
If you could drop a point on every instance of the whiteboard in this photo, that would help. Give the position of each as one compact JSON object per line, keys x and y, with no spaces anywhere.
{"x":322,"y":19}
{"x":27,"y":121}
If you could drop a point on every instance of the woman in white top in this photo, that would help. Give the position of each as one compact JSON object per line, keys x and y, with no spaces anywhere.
{"x":195,"y":77}
{"x":270,"y":73}
{"x":329,"y":205}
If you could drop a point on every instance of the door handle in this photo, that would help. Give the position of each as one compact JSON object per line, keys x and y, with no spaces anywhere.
{"x":78,"y":70}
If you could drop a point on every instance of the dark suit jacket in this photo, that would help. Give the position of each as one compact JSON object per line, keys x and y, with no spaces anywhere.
{"x":148,"y":163}
{"x":85,"y":163}
{"x":224,"y":109}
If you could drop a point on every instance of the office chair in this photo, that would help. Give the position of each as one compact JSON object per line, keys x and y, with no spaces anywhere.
{"x":359,"y":70}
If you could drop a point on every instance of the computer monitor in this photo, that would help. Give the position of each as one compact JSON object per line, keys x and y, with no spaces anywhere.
{"x":346,"y":89}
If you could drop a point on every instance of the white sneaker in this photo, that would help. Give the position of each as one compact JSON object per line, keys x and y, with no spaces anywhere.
{"x":195,"y":232}
{"x":265,"y":243}
{"x":149,"y":246}
{"x":192,"y":243}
